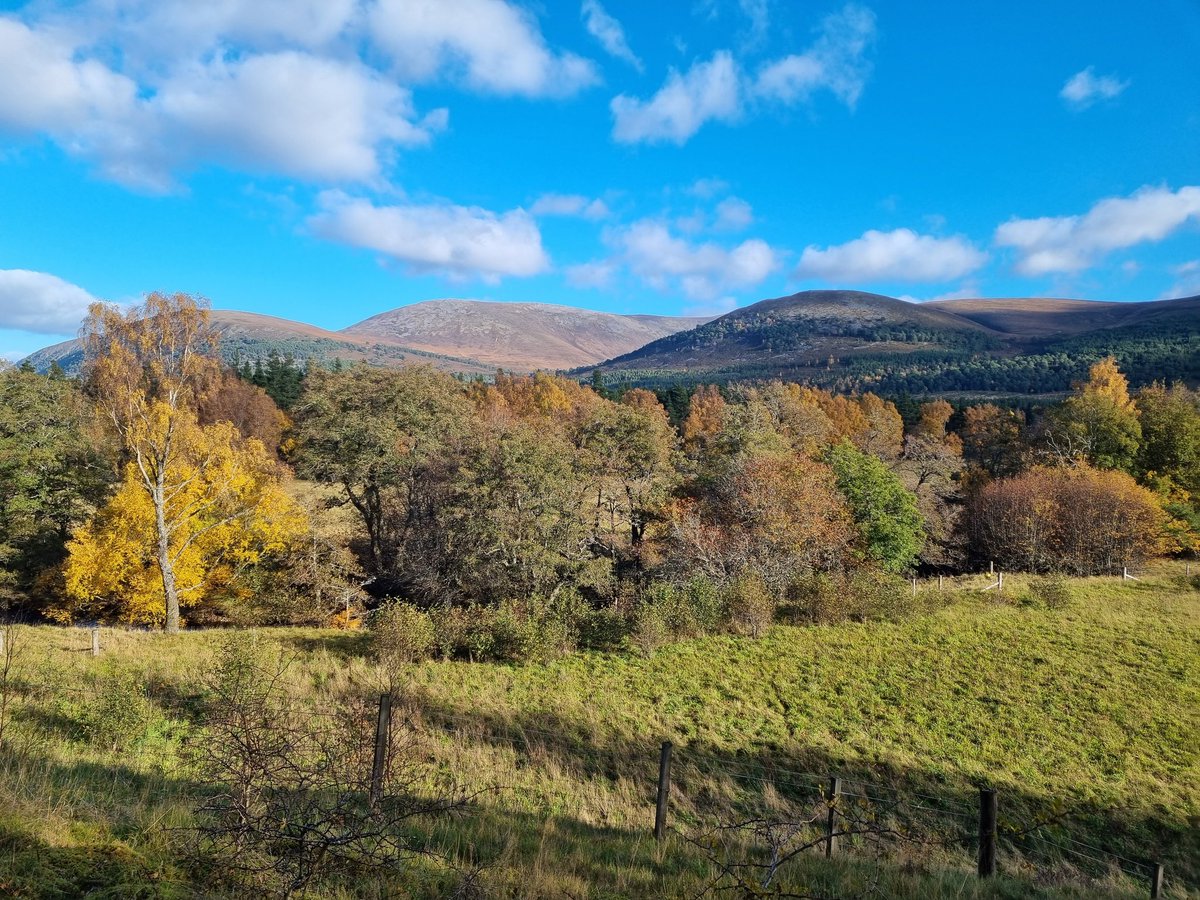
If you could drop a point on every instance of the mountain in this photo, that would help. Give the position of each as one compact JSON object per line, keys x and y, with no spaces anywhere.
{"x":253,"y":336}
{"x":849,"y":340}
{"x":518,"y":336}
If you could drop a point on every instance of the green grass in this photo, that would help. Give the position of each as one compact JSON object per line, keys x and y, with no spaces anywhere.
{"x":1088,"y":715}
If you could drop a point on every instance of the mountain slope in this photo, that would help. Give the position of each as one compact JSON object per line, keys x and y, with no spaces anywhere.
{"x":520,"y":336}
{"x":254,"y":336}
{"x":851,"y":340}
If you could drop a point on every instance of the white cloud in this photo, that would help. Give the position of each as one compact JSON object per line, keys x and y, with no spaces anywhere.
{"x":705,"y":188}
{"x":719,"y":90}
{"x":709,"y":91}
{"x":289,"y":112}
{"x":836,"y":62}
{"x":598,"y":274}
{"x":490,"y":45}
{"x":1085,"y":88}
{"x":969,"y":291}
{"x":608,"y":32}
{"x":41,"y":303}
{"x":702,"y":271}
{"x":569,"y":205}
{"x":900,"y":255}
{"x":458,"y":241}
{"x":712,"y":308}
{"x":1073,"y":243}
{"x":1187,"y":280}
{"x":733,"y":214}
{"x":46,"y":89}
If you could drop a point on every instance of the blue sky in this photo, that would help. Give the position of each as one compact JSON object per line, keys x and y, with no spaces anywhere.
{"x":325,"y":160}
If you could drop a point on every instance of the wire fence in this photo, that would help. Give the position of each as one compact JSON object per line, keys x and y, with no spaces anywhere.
{"x":706,"y":790}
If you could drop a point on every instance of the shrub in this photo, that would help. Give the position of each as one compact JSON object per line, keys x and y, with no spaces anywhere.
{"x":603,"y":628}
{"x":1051,"y":593}
{"x":120,"y":715}
{"x":650,"y":628}
{"x":450,"y":627}
{"x":751,"y":605}
{"x":401,"y":634}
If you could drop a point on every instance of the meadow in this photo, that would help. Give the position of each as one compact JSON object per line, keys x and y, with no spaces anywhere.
{"x":1085,"y":719}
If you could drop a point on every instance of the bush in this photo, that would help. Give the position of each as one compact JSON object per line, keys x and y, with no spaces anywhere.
{"x":751,"y":605}
{"x":119,"y":717}
{"x":651,"y":628}
{"x":401,"y":634}
{"x":824,"y":598}
{"x":1050,"y":593}
{"x":603,"y":628}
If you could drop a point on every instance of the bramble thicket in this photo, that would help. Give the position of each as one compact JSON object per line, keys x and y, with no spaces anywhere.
{"x":526,"y":515}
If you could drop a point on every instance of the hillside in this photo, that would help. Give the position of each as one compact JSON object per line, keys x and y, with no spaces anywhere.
{"x":253,"y":336}
{"x":1086,"y":721}
{"x":848,"y":340}
{"x":518,"y":336}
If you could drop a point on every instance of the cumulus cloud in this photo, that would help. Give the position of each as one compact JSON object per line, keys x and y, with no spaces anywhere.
{"x":708,"y":91}
{"x":569,"y":205}
{"x":40,"y":302}
{"x":1073,"y":243}
{"x":836,"y":62}
{"x":608,"y":32}
{"x":718,"y":90}
{"x":900,"y":255}
{"x":458,"y":241}
{"x":703,"y":271}
{"x":1085,"y":88}
{"x":46,"y":89}
{"x":289,"y":112}
{"x":733,"y":214}
{"x":490,"y":45}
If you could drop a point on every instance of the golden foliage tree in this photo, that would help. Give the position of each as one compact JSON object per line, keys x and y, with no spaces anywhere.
{"x":223,"y":508}
{"x":145,"y":368}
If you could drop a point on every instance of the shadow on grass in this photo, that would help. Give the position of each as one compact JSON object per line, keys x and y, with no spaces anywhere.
{"x":344,"y":645}
{"x":710,"y":783}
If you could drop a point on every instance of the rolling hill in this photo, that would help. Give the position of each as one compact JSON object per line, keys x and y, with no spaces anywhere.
{"x":849,"y":340}
{"x":518,"y":336}
{"x":471,"y":337}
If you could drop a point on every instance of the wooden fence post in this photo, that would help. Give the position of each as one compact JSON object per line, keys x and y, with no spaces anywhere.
{"x":835,"y":792}
{"x":383,"y":730}
{"x":939,"y":582}
{"x":96,"y":641}
{"x":987,"y":832}
{"x":1156,"y":881}
{"x":664,"y":791}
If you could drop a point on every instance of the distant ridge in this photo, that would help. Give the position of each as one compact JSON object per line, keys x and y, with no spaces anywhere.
{"x":852,"y":340}
{"x":519,"y":336}
{"x":252,"y":336}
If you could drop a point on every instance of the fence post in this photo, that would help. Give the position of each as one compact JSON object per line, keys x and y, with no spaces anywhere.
{"x":835,"y":791}
{"x":1000,"y":584}
{"x":664,"y":791}
{"x":96,"y":641}
{"x":383,"y":728}
{"x":987,"y":832}
{"x":992,"y":567}
{"x":939,"y":582}
{"x":1156,"y":881}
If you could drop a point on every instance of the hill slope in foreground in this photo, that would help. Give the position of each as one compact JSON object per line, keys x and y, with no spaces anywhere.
{"x":1087,"y":716}
{"x":854,"y":340}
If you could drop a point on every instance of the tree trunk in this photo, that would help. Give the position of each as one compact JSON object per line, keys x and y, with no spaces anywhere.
{"x":165,"y":566}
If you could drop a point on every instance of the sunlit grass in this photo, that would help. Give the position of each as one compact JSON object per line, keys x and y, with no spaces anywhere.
{"x":1091,"y":712}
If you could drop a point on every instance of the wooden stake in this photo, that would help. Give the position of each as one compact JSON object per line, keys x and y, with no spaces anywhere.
{"x":835,"y":791}
{"x":664,"y":791}
{"x":95,"y":641}
{"x":987,"y":832}
{"x":1156,"y":881}
{"x":383,"y":728}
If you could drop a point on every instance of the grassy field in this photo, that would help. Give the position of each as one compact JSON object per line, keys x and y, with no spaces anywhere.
{"x":1087,"y":717}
